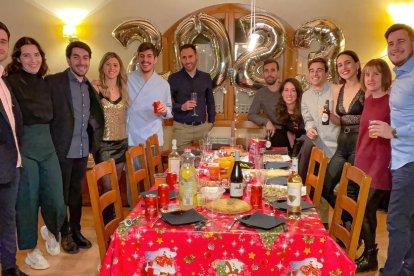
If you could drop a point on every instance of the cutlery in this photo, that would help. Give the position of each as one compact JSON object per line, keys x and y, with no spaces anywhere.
{"x":233,"y":222}
{"x":155,"y":221}
{"x":129,"y":222}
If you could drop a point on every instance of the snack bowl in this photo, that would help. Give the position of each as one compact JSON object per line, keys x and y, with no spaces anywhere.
{"x":212,"y":193}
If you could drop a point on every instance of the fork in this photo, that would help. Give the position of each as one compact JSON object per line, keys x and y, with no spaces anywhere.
{"x":233,"y":222}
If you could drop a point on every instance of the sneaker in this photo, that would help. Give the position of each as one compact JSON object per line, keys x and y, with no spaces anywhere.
{"x":52,"y":246}
{"x":36,"y":260}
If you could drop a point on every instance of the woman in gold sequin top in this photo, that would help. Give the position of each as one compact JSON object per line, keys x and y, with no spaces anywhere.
{"x":112,"y":88}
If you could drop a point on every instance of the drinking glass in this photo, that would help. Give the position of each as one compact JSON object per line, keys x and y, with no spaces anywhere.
{"x":194,"y":99}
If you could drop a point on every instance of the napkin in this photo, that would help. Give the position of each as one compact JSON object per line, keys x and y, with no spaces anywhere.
{"x":276,"y":165}
{"x":262,"y":221}
{"x":282,"y":205}
{"x":279,"y":180}
{"x":182,"y":217}
{"x":173,"y":194}
{"x":277,"y":150}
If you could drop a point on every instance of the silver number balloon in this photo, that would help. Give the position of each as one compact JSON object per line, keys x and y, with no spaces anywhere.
{"x":190,"y":28}
{"x":137,"y":29}
{"x":329,"y":37}
{"x":271,"y":43}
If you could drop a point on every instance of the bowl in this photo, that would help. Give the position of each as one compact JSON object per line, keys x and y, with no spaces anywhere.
{"x":212,"y":193}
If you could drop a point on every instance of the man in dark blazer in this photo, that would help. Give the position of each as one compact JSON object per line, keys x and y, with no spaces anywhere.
{"x":77,"y":129}
{"x":10,"y":126}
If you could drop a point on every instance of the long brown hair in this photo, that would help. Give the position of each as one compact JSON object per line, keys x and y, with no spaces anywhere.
{"x":282,"y":114}
{"x":15,"y":66}
{"x":121,"y":79}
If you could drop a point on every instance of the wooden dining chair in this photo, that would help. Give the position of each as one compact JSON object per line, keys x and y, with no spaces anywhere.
{"x":154,"y":157}
{"x":100,"y":202}
{"x":350,"y":237}
{"x":138,"y":179}
{"x":315,"y":177}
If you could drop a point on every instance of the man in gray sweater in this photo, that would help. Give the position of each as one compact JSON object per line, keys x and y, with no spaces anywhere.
{"x":266,"y":98}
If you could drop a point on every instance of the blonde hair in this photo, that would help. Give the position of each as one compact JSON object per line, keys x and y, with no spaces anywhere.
{"x":121,"y":79}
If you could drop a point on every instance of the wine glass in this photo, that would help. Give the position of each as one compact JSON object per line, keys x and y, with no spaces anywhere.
{"x":194,"y":99}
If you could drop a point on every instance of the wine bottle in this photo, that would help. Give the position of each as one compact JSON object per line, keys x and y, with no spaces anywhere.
{"x":174,"y":159}
{"x":294,"y":187}
{"x":326,"y":113}
{"x":236,"y":178}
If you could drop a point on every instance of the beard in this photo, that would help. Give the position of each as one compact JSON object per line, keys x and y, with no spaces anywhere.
{"x":270,"y":81}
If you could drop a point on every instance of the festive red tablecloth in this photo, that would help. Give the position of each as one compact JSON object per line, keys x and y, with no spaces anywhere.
{"x":304,"y":249}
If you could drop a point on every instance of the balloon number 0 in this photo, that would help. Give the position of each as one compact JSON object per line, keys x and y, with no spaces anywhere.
{"x":243,"y":72}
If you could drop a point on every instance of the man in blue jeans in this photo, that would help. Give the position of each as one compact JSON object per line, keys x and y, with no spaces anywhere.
{"x":400,"y":220}
{"x":10,"y":126}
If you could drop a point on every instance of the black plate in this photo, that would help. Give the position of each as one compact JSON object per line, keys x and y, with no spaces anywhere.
{"x":182,"y":217}
{"x":173,"y":194}
{"x":282,"y":205}
{"x":269,"y":165}
{"x":262,"y":221}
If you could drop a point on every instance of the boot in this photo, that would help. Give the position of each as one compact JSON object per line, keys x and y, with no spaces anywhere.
{"x":370,"y":262}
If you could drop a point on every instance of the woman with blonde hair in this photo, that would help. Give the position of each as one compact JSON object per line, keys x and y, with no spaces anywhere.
{"x":113,"y":91}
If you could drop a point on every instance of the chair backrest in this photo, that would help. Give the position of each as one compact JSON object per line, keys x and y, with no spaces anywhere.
{"x":138,"y":179}
{"x":315,"y":178}
{"x":100,"y":202}
{"x":154,"y":157}
{"x":356,"y":209}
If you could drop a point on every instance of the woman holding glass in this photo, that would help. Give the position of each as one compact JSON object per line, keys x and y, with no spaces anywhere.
{"x":348,"y":106}
{"x":41,"y":180}
{"x":373,"y":154}
{"x":290,"y":123}
{"x":112,"y":89}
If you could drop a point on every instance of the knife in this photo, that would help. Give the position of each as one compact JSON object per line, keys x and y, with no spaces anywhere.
{"x":155,"y":221}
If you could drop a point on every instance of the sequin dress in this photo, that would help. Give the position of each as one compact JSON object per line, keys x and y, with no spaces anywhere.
{"x":114,"y":142}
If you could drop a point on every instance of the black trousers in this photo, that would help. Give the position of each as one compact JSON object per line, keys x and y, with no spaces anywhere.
{"x":73,"y":173}
{"x":369,"y":225}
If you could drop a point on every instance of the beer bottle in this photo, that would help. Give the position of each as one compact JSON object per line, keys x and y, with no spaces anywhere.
{"x":326,"y":113}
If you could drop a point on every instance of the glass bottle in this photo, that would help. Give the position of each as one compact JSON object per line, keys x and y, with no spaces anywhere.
{"x":174,"y":159}
{"x":294,"y":187}
{"x":187,"y":189}
{"x":236,"y":178}
{"x":326,"y":113}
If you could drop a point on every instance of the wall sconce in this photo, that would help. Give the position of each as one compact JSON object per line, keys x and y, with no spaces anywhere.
{"x":70,"y":32}
{"x":72,"y":18}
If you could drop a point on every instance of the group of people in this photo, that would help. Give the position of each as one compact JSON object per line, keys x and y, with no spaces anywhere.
{"x":50,"y":123}
{"x":371,"y":126}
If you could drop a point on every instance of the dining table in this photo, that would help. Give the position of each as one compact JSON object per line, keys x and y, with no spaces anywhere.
{"x":221,"y":245}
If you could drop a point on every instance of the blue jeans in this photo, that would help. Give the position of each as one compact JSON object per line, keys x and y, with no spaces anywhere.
{"x":8,"y":197}
{"x":400,"y":223}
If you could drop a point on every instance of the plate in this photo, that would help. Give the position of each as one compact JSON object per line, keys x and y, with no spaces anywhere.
{"x":261,"y":221}
{"x":173,"y":194}
{"x":282,"y":205}
{"x":182,"y":217}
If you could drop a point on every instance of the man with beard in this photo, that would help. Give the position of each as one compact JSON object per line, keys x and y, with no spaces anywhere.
{"x":400,"y":219}
{"x":324,"y":136}
{"x":266,"y":98}
{"x":77,"y":129}
{"x":144,"y":88}
{"x":189,"y":128}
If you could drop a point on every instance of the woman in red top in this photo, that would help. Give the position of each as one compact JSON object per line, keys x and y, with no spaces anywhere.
{"x":373,"y":154}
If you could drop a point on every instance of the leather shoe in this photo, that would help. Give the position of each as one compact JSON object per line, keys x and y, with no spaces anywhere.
{"x":81,"y":241}
{"x":68,"y":245}
{"x":14,"y":271}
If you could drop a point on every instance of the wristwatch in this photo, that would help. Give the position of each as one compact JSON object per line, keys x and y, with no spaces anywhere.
{"x":394,"y":133}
